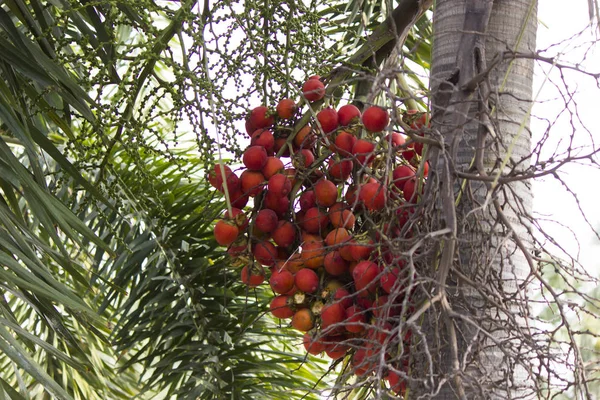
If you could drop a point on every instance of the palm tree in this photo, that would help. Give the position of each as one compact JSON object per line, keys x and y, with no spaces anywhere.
{"x":482,"y":332}
{"x":484,"y":134}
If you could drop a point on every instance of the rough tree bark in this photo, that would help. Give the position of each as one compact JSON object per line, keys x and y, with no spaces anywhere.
{"x":482,"y":116}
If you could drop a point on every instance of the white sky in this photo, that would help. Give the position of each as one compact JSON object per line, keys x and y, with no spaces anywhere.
{"x":561,"y":23}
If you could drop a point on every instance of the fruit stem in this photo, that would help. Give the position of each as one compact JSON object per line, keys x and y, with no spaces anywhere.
{"x":299,"y":125}
{"x":225,"y":186}
{"x":213,"y":113}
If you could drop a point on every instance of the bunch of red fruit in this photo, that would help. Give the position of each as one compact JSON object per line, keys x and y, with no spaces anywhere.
{"x":332,"y":202}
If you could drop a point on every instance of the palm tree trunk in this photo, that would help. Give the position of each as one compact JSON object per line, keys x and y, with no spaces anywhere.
{"x":484,"y":124}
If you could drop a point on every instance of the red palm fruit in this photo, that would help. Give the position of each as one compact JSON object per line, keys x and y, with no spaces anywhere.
{"x":409,"y":190}
{"x":352,"y":266}
{"x":334,"y":264}
{"x":294,"y":263}
{"x":389,"y":279}
{"x":313,"y":89}
{"x":338,"y":237}
{"x":313,"y":254}
{"x":351,"y":195}
{"x":256,"y":234}
{"x":330,"y":287}
{"x":263,"y":138}
{"x":238,"y":198}
{"x":379,"y":332}
{"x":401,"y":174}
{"x":407,"y":337}
{"x":363,"y":151}
{"x":355,"y":319}
{"x":419,"y":147}
{"x":391,"y":257}
{"x":308,"y":199}
{"x":273,"y":166}
{"x":332,"y":314}
{"x":335,"y":213}
{"x":339,"y":171}
{"x":328,"y":119}
{"x":309,"y":237}
{"x":426,"y":169}
{"x":238,"y":217}
{"x":342,"y":296}
{"x":336,"y":348}
{"x":291,"y":174}
{"x":361,"y":366}
{"x":375,"y":119}
{"x":373,"y":196}
{"x":384,"y":308}
{"x":292,"y":291}
{"x":265,"y":253}
{"x":253,"y":183}
{"x":303,"y":159}
{"x":281,"y":281}
{"x":345,"y":251}
{"x":386,"y":254}
{"x":238,"y":247}
{"x":249,"y":127}
{"x":259,"y":117}
{"x":299,"y":217}
{"x":403,"y":215}
{"x":255,"y":158}
{"x":379,"y":337}
{"x":303,"y":320}
{"x":344,"y":143}
{"x":215,"y":178}
{"x":280,"y":185}
{"x":281,"y":143}
{"x":397,"y":384}
{"x":365,"y":276}
{"x":348,"y":114}
{"x":307,"y":280}
{"x":280,"y":307}
{"x":266,"y":220}
{"x":344,"y":219}
{"x":285,"y":233}
{"x":226,"y":232}
{"x":409,"y":154}
{"x":314,"y":177}
{"x":326,"y":193}
{"x":282,"y":253}
{"x":314,"y":221}
{"x":361,"y":250}
{"x":416,"y":119}
{"x":286,"y":108}
{"x":277,"y":203}
{"x":313,"y":345}
{"x":279,"y":262}
{"x":364,"y":302}
{"x":305,"y":139}
{"x":395,"y":139}
{"x":253,"y":275}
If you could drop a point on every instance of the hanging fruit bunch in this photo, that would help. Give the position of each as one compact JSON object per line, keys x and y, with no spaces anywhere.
{"x":334,"y":199}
